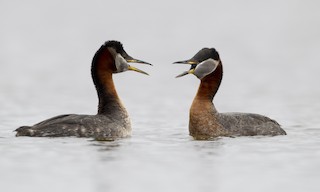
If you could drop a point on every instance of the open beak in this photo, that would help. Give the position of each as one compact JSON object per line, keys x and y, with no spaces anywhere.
{"x":191,"y":62}
{"x":129,"y":59}
{"x":132,"y":60}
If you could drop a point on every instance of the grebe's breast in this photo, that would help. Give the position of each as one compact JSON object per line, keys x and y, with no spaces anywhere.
{"x":248,"y":124}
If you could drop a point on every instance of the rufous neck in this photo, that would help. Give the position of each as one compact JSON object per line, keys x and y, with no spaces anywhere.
{"x":209,"y":85}
{"x":101,"y":70}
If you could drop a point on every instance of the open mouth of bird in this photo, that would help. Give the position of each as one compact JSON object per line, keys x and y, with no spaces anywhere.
{"x":190,"y":71}
{"x":191,"y":62}
{"x":131,"y":68}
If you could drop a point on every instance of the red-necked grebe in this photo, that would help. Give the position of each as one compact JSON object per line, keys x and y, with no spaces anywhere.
{"x":112,"y":120}
{"x":205,"y":121}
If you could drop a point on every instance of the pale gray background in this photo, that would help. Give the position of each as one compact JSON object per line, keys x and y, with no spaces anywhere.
{"x":270,"y":54}
{"x":53,"y":42}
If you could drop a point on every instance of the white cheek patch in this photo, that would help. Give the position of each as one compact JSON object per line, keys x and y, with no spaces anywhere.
{"x":205,"y":68}
{"x":121,"y":63}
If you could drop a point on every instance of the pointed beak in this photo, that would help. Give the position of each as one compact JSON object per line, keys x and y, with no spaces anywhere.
{"x":131,"y":60}
{"x":191,"y":71}
{"x":131,"y":68}
{"x":191,"y":62}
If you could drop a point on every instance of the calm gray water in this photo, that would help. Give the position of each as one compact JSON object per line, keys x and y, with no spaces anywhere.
{"x":271,"y":62}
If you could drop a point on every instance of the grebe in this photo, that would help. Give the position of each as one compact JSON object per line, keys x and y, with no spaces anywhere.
{"x":205,"y":121}
{"x":112,"y":120}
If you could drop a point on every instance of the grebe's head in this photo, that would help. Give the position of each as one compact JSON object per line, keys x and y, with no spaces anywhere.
{"x":202,"y":64}
{"x":121,"y":58}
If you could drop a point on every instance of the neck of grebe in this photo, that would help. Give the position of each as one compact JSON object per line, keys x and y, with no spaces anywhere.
{"x":102,"y":67}
{"x":208,"y":88}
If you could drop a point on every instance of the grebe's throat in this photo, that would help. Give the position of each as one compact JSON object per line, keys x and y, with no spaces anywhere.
{"x":210,"y":84}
